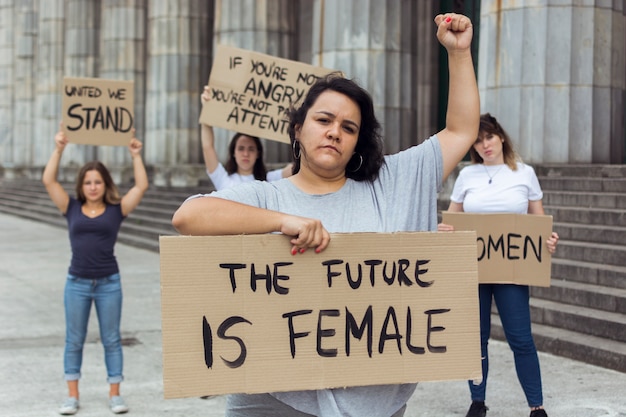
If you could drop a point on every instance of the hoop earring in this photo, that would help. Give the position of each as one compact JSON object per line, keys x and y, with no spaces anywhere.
{"x":360,"y":163}
{"x":297,"y":152}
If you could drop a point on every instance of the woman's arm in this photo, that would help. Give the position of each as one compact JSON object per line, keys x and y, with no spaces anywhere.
{"x":454,"y":208}
{"x":133,"y":197}
{"x":463,"y":115}
{"x":212,"y":216}
{"x":211,"y":161}
{"x":536,"y":207}
{"x":57,"y":193}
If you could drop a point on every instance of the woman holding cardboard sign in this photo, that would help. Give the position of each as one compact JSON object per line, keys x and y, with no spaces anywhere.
{"x":497,"y":181}
{"x":94,"y":218}
{"x":343,"y":182}
{"x":245,"y":158}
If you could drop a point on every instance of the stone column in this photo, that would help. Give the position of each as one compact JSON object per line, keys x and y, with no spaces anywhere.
{"x":82,"y":46}
{"x":613,"y":84}
{"x":179,"y":66}
{"x":7,"y":52}
{"x":554,"y":77}
{"x":388,"y":47}
{"x":25,"y":81}
{"x":123,"y":57}
{"x":82,"y":38}
{"x":427,"y":74}
{"x":49,"y":68}
{"x":268,"y":27}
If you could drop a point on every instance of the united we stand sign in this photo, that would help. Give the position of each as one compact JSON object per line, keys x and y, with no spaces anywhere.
{"x":97,"y":111}
{"x":250,"y":92}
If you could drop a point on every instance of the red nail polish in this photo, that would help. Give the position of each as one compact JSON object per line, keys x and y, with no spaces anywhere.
{"x":317,"y":250}
{"x":294,"y":251}
{"x":448,"y":19}
{"x":302,"y":250}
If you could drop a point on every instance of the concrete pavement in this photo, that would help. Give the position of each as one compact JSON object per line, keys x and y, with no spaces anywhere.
{"x":33,"y":262}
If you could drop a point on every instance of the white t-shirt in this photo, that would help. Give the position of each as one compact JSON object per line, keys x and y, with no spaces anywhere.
{"x":222,"y":180}
{"x":509,"y":191}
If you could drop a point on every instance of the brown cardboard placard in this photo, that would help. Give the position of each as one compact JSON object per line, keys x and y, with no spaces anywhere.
{"x":250,"y":91}
{"x":98,"y":111}
{"x":265,"y":320}
{"x":511,"y":248}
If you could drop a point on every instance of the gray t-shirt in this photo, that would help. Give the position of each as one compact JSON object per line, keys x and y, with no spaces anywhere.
{"x":403,"y":198}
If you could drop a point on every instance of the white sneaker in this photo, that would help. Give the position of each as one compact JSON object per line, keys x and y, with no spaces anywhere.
{"x":69,"y":407}
{"x":117,"y":405}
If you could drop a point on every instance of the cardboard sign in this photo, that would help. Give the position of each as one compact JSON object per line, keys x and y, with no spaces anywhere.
{"x":250,"y":91}
{"x":240,"y":314}
{"x":511,"y":247}
{"x":97,"y":111}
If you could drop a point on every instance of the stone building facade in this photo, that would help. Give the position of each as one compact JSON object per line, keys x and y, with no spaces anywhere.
{"x":552,"y":71}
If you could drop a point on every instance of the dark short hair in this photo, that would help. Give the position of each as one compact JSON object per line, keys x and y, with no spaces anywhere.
{"x":111,"y":193}
{"x":259,"y":170}
{"x":369,"y":144}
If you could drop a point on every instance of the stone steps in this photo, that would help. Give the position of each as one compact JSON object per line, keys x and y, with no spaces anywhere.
{"x":586,"y":320}
{"x":597,"y":185}
{"x":588,"y":215}
{"x":590,"y":233}
{"x":588,"y":199}
{"x":580,"y":171}
{"x":606,"y":275}
{"x":584,"y":295}
{"x":592,"y":252}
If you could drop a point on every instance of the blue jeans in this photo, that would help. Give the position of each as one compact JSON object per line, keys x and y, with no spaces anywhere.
{"x":106,"y":294}
{"x":514,"y":310}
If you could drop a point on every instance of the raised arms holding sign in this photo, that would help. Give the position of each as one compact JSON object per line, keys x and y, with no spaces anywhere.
{"x":94,"y":216}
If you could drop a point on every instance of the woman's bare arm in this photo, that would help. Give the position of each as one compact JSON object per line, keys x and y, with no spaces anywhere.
{"x":55,"y":190}
{"x":463,"y":115}
{"x":212,"y":216}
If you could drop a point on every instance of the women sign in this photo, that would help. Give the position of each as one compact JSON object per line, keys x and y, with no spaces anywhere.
{"x":511,"y":247}
{"x":98,"y":111}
